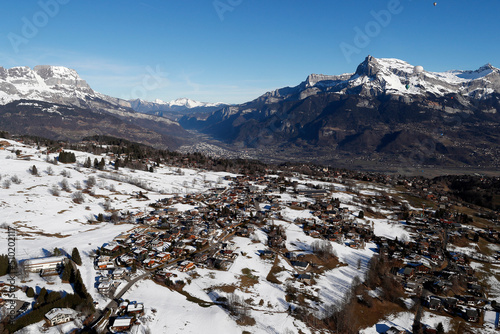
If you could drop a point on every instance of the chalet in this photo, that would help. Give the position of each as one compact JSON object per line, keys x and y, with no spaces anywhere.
{"x":46,"y":263}
{"x":306,"y":278}
{"x":58,"y":316}
{"x":163,"y":257}
{"x":472,"y":315}
{"x":119,"y":273}
{"x":126,"y":259}
{"x":423,"y":268}
{"x":300,"y":265}
{"x":111,"y":248}
{"x":123,"y":305}
{"x":151,"y":220}
{"x":135,"y":308}
{"x":406,"y":272}
{"x":395,"y":330}
{"x":104,"y":262}
{"x":412,"y":287}
{"x":121,"y":324}
{"x":104,"y":287}
{"x":186,"y":266}
{"x":435,"y":303}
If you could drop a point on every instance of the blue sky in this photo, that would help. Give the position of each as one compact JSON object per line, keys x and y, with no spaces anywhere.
{"x":235,"y":50}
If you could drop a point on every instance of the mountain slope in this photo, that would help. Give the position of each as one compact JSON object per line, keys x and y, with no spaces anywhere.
{"x":61,"y":122}
{"x":51,"y":94}
{"x":384,"y":111}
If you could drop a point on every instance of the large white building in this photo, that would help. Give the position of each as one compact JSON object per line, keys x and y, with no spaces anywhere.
{"x":44,"y":264}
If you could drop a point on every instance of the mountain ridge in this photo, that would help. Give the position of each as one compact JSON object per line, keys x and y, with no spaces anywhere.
{"x":383,"y":111}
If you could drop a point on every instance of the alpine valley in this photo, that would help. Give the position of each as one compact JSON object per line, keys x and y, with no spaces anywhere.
{"x":384,"y":116}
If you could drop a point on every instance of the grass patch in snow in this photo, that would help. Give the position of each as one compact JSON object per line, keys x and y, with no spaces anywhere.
{"x":248,"y":280}
{"x":271,"y":277}
{"x":194,"y":299}
{"x":225,"y":288}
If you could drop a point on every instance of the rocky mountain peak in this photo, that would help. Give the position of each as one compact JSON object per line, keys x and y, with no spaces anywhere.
{"x":59,"y":75}
{"x":369,"y":67}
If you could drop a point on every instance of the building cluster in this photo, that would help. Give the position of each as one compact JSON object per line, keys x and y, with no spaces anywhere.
{"x":428,"y":268}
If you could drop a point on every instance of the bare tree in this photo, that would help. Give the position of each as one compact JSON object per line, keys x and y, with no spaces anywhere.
{"x":323,"y":248}
{"x":115,"y":217}
{"x":16,"y":179}
{"x":54,"y":190}
{"x":107,"y":204}
{"x":78,"y":197}
{"x":91,"y":182}
{"x":65,"y":185}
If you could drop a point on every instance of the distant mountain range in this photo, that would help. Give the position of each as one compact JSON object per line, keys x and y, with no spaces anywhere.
{"x":175,"y":108}
{"x":387,"y":113}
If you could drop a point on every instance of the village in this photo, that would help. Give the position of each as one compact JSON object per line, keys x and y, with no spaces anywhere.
{"x":170,"y":240}
{"x":179,"y":234}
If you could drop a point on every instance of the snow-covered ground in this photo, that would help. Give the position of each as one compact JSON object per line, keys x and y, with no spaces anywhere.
{"x":43,"y":222}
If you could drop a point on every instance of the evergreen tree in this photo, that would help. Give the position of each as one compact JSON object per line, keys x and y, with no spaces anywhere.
{"x":96,"y":163}
{"x":101,"y":164}
{"x":67,"y":157}
{"x":41,"y":296}
{"x":75,"y":255}
{"x":66,"y":274}
{"x":87,"y":163}
{"x":72,"y":276}
{"x":34,"y":170}
{"x":52,"y":297}
{"x":13,"y":266}
{"x":30,"y":292}
{"x":440,"y":328}
{"x":4,"y":264}
{"x":56,"y":252}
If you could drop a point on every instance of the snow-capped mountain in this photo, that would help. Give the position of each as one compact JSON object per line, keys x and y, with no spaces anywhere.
{"x":39,"y":101}
{"x":182,"y":105}
{"x":383,"y":110}
{"x":394,"y":76}
{"x":43,"y":83}
{"x":390,"y":76}
{"x":188,"y":103}
{"x":175,"y":109}
{"x":63,"y":85}
{"x":55,"y":84}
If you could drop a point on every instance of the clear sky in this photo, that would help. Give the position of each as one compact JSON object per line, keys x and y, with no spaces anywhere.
{"x":235,"y":50}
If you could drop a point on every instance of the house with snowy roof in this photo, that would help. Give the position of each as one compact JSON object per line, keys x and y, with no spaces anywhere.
{"x":58,"y":316}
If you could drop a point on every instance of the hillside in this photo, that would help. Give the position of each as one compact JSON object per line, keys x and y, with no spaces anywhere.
{"x":260,"y":245}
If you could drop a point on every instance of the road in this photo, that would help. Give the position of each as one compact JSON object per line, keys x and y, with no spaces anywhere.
{"x":113,"y":304}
